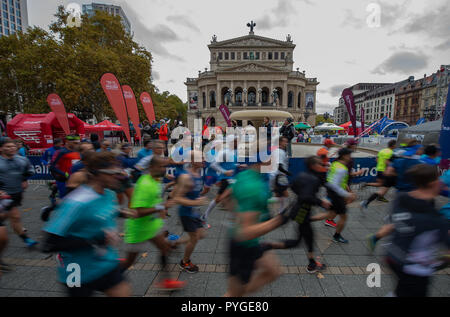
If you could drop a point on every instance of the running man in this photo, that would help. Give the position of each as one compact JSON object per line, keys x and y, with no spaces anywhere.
{"x":418,"y":232}
{"x":84,"y":231}
{"x":62,"y":162}
{"x":145,"y":227}
{"x":5,"y":202}
{"x":187,"y":194}
{"x":280,"y":181}
{"x":252,"y":266}
{"x":306,"y":186}
{"x":383,"y":160}
{"x":337,"y":185}
{"x":14,"y":172}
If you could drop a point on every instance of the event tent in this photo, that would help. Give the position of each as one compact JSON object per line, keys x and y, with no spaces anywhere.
{"x":107,"y":126}
{"x":39,"y":130}
{"x":426,"y":133}
{"x":328,"y":127}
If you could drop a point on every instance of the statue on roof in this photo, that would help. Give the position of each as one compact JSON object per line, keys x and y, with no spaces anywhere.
{"x":289,"y":38}
{"x":214,"y":39}
{"x":251,"y":25}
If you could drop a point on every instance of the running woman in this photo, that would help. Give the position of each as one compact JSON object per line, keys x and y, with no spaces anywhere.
{"x":383,"y":160}
{"x":187,"y":194}
{"x":252,"y":266}
{"x":337,"y":185}
{"x":84,"y":231}
{"x":14,"y":172}
{"x":306,"y":186}
{"x":145,"y":227}
{"x":419,"y":230}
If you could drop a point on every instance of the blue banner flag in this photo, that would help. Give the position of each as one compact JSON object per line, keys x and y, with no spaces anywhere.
{"x":445,"y":134}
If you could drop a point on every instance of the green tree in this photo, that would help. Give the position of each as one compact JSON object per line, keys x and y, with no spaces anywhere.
{"x":70,"y":61}
{"x":320,"y":119}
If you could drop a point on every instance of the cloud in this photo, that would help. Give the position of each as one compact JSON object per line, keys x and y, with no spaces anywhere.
{"x":321,"y":108}
{"x":444,"y":46}
{"x":155,"y":75}
{"x":184,"y":21}
{"x":279,"y":16}
{"x":402,"y":62}
{"x":153,"y":38}
{"x":336,"y":90}
{"x":433,"y":23}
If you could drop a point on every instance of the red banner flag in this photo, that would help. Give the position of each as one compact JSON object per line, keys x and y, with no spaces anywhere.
{"x":347,"y":94}
{"x":57,"y":106}
{"x":363,"y":121}
{"x":111,"y":87}
{"x":226,"y":114}
{"x":130,"y":100}
{"x":147,"y":103}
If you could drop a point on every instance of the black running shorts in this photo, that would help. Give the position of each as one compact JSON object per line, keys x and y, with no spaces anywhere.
{"x":191,"y":224}
{"x":102,"y":284}
{"x":224,"y":183}
{"x":338,"y":204}
{"x":242,"y":260}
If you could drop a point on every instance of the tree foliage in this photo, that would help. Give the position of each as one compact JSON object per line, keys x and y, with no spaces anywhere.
{"x":70,"y":61}
{"x":320,"y":119}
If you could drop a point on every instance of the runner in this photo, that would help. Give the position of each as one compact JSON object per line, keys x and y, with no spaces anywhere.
{"x":5,"y":203}
{"x":324,"y":155}
{"x":251,"y":265}
{"x":48,"y":154}
{"x":78,"y":176}
{"x":187,"y":194}
{"x":14,"y":172}
{"x":418,"y":232}
{"x":127,"y":163}
{"x":226,"y":166}
{"x":62,"y":162}
{"x":279,"y":180}
{"x":383,"y":181}
{"x":398,"y":169}
{"x":431,"y":155}
{"x":306,"y":186}
{"x":105,"y":146}
{"x":84,"y":231}
{"x":145,"y":227}
{"x":337,"y":185}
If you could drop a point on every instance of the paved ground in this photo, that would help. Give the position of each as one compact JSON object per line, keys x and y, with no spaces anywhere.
{"x":35,"y":272}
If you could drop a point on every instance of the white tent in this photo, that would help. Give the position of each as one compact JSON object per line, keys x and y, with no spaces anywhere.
{"x":328,"y":127}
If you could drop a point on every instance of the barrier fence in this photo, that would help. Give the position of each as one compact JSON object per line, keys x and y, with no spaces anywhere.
{"x":296,"y":165}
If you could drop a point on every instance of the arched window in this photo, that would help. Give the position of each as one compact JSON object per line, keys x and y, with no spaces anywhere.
{"x":265,"y":96}
{"x":238,"y":96}
{"x":299,"y":100}
{"x":226,"y":96}
{"x":278,"y":96}
{"x":251,"y":96}
{"x":290,"y":99}
{"x":204,"y":100}
{"x":212,"y":99}
{"x":212,"y":122}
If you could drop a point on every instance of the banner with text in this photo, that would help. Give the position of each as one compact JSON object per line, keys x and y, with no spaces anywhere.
{"x":226,"y":114}
{"x":147,"y":103}
{"x":130,"y":100}
{"x":57,"y":106}
{"x":347,"y":94}
{"x":113,"y":91}
{"x":444,"y":139}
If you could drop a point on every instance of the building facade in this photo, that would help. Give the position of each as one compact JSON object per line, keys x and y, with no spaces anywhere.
{"x":13,"y":17}
{"x":114,"y":10}
{"x":251,"y":73}
{"x":407,"y":101}
{"x":443,"y":81}
{"x":379,"y":103}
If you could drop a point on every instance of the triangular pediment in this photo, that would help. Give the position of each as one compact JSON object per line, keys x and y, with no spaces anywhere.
{"x":251,"y":41}
{"x":251,"y":67}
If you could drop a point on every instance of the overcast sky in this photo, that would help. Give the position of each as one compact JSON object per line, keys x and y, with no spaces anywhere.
{"x":334,"y":40}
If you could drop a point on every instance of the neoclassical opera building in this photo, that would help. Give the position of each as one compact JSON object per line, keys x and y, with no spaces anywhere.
{"x":251,"y":73}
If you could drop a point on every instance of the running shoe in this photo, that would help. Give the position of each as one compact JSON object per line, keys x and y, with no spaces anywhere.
{"x":313,"y":268}
{"x":189,"y":267}
{"x":371,"y":242}
{"x":5,"y":268}
{"x":382,"y":199}
{"x":339,"y":239}
{"x":170,"y":285}
{"x":30,"y":242}
{"x":363,"y":206}
{"x":45,"y":213}
{"x":330,"y":223}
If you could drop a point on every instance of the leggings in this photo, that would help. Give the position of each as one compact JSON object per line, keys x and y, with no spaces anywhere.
{"x":304,"y":231}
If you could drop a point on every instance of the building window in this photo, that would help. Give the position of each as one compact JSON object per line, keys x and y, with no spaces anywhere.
{"x":226,"y":56}
{"x":6,"y":23}
{"x":18,"y":5}
{"x":233,"y":56}
{"x":283,"y":55}
{"x":212,"y":99}
{"x":13,"y":26}
{"x":270,"y":55}
{"x":276,"y":55}
{"x":220,"y":55}
{"x":204,"y":100}
{"x":257,"y":55}
{"x":5,"y":15}
{"x":6,"y":31}
{"x":11,"y":10}
{"x":290,"y":99}
{"x":245,"y":55}
{"x":5,"y":7}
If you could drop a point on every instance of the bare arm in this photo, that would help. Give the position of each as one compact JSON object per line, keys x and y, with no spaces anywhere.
{"x":182,"y":187}
{"x":249,"y":229}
